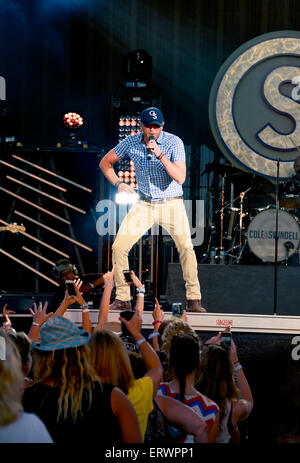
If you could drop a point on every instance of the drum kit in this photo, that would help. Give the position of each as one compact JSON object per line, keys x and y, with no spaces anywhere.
{"x":246,"y":223}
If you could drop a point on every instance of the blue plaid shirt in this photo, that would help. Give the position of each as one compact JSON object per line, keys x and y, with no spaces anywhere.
{"x":152,"y":178}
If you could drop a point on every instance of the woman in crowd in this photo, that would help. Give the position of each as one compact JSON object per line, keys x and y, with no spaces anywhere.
{"x":217,"y":370}
{"x":67,"y":395}
{"x":15,"y":425}
{"x":184,"y":358}
{"x":23,"y":344}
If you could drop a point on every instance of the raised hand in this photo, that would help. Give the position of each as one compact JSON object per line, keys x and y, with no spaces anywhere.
{"x":158,"y":313}
{"x":109,"y":277}
{"x":134,"y":325}
{"x":39,"y":313}
{"x":135,"y":280}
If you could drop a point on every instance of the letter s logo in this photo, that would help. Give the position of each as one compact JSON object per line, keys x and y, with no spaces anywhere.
{"x":283,"y":104}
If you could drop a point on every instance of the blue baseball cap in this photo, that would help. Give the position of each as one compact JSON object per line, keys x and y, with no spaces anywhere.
{"x":152,"y":115}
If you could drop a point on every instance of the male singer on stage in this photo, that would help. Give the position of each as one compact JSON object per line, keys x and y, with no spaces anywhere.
{"x":159,"y":161}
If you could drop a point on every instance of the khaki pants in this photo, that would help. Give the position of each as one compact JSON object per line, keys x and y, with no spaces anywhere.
{"x":171,"y":215}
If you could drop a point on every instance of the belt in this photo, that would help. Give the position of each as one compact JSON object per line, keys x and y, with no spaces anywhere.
{"x":157,"y":201}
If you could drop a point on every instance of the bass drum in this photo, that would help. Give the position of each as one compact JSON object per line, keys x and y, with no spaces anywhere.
{"x":262,"y":231}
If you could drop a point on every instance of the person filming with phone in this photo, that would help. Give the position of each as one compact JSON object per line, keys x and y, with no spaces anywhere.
{"x":222,"y":378}
{"x":159,"y":160}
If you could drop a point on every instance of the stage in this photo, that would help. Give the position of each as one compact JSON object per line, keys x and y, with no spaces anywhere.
{"x":239,"y":296}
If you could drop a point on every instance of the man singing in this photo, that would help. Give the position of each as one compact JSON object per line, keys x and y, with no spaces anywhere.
{"x":159,"y":161}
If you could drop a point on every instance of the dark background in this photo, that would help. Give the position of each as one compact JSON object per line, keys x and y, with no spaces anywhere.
{"x":62,"y":54}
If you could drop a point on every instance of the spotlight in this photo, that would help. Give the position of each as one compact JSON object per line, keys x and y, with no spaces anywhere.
{"x":74,"y":130}
{"x":72,"y":120}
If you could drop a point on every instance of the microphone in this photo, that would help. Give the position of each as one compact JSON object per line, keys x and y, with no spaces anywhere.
{"x":149,"y":152}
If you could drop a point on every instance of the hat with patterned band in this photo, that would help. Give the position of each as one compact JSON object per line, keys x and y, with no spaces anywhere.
{"x":60,"y":333}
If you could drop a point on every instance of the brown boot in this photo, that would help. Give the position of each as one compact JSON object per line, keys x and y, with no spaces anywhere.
{"x":194,"y":305}
{"x":120,"y":305}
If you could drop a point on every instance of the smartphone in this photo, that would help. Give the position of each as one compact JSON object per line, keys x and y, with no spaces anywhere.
{"x":226,"y":340}
{"x":127,"y":314}
{"x":127,"y":276}
{"x":177,"y":309}
{"x":70,"y":287}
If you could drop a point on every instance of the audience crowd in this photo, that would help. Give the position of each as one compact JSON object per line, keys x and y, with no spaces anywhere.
{"x":111,"y":385}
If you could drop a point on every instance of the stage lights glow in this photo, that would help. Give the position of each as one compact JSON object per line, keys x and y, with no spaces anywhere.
{"x":127,"y":126}
{"x":72,"y":120}
{"x":126,"y":198}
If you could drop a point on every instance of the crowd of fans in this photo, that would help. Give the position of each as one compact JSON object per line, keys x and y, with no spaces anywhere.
{"x":60,"y":382}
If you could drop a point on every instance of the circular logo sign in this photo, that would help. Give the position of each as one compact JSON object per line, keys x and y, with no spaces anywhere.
{"x":254,"y":105}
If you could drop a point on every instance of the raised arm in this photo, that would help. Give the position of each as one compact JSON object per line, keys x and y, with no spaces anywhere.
{"x":39,"y":318}
{"x":140,"y":290}
{"x":7,"y":326}
{"x":242,"y":407}
{"x":150,"y":357}
{"x":158,"y":316}
{"x":176,"y":169}
{"x":105,"y":299}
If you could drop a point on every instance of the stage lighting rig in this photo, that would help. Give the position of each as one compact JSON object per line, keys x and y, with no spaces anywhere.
{"x":127,"y":126}
{"x":73,"y":124}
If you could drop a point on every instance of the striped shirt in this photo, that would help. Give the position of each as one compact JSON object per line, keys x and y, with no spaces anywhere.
{"x":201,"y":404}
{"x":152,"y":178}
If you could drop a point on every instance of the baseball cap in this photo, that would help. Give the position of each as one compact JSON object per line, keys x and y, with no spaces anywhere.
{"x":152,"y":115}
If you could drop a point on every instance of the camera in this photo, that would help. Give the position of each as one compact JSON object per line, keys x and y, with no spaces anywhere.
{"x":127,"y":276}
{"x":177,"y":309}
{"x":226,"y":340}
{"x":70,"y":287}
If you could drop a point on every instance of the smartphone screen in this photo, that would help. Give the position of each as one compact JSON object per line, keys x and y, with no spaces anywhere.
{"x":177,"y":309}
{"x":70,"y":287}
{"x":226,"y":340}
{"x":127,"y":276}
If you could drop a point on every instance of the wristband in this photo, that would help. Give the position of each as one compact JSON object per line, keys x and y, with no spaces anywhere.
{"x":139,"y":342}
{"x":160,"y":156}
{"x":35,"y":324}
{"x":84,"y":305}
{"x":239,"y":367}
{"x":6,"y":323}
{"x":108,"y":284}
{"x":141,"y":289}
{"x":152,"y":335}
{"x":156,"y":321}
{"x":140,"y":294}
{"x":118,"y":183}
{"x":85,"y":310}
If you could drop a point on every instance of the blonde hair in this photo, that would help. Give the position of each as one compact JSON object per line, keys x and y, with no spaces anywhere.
{"x":110,"y":359}
{"x":71,"y":373}
{"x":11,"y":383}
{"x":175,"y":327}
